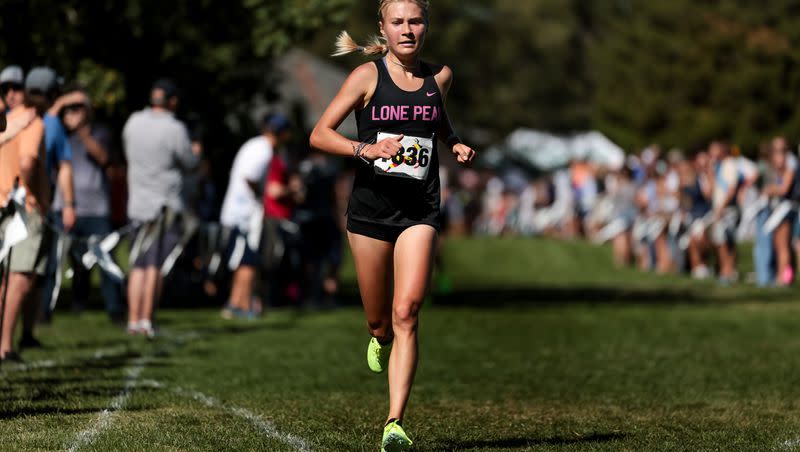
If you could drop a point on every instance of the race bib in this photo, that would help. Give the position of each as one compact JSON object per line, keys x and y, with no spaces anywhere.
{"x":413,"y":160}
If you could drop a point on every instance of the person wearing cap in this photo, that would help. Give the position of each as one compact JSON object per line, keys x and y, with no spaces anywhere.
{"x":12,"y":86}
{"x":42,"y":83}
{"x":12,"y":89}
{"x":22,"y":161}
{"x":241,"y":204}
{"x":90,"y":145}
{"x":159,"y":153}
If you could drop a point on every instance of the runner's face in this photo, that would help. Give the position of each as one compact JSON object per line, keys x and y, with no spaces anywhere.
{"x":404,"y":28}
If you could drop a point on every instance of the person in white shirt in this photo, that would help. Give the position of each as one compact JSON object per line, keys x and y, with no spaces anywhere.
{"x":242,"y":209}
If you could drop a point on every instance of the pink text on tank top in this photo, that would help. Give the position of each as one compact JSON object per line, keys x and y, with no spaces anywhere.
{"x":405,"y":113}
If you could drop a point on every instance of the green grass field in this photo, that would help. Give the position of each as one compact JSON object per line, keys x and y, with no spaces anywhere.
{"x":551,"y":349}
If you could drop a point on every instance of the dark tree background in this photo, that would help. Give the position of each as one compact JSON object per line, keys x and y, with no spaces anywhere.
{"x":219,"y":52}
{"x":679,"y":73}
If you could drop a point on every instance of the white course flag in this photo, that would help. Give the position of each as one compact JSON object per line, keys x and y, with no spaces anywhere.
{"x":17,"y":229}
{"x":62,"y":246}
{"x":779,"y":213}
{"x":99,"y":253}
{"x":611,"y":230}
{"x":190,"y":226}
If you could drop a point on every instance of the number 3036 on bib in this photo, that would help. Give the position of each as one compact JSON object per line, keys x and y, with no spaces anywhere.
{"x":413,"y":160}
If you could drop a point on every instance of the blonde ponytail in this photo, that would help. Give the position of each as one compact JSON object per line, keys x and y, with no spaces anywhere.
{"x":345,"y":44}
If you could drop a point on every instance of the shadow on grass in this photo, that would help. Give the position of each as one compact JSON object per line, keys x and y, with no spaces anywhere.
{"x":514,"y":443}
{"x":46,"y":410}
{"x":498,"y":297}
{"x":560,"y":295}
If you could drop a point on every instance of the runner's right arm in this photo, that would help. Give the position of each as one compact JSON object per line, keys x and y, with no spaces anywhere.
{"x":355,"y":93}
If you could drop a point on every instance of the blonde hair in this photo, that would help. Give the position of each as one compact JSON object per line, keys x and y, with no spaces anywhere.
{"x":345,"y":44}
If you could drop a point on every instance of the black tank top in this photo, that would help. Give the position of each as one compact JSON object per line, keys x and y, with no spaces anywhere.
{"x":392,"y":200}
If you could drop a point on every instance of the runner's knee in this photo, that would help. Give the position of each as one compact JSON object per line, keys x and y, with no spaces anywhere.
{"x":404,"y":314}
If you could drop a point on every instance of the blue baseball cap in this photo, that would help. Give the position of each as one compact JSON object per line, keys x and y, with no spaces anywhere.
{"x":277,"y":123}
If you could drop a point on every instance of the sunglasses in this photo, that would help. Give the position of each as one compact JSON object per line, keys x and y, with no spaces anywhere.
{"x":6,"y":87}
{"x":74,"y":107}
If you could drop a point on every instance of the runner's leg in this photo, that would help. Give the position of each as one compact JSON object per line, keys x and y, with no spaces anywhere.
{"x":413,"y":261}
{"x":373,"y":259}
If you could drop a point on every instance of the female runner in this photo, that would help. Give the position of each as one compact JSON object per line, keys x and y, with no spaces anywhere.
{"x":393,"y":214}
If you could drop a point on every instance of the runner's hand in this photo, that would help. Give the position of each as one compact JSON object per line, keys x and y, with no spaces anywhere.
{"x":384,"y":149}
{"x":464,"y":154}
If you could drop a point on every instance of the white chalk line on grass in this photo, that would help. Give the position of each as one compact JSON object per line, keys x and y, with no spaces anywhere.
{"x":267,"y":428}
{"x":105,"y":417}
{"x":98,"y":354}
{"x":33,"y":365}
{"x":789,"y":444}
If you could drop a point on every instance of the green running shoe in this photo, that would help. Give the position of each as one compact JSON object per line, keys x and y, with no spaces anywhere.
{"x":395,"y":438}
{"x":378,"y":356}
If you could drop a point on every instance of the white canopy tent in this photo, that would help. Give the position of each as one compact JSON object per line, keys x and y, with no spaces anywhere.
{"x":548,"y":152}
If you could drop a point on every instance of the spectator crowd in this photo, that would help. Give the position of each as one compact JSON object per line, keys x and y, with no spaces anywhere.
{"x":277,"y":239}
{"x":667,"y":212}
{"x":69,"y":195}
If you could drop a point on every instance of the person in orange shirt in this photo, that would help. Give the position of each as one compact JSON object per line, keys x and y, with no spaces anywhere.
{"x":22,"y":158}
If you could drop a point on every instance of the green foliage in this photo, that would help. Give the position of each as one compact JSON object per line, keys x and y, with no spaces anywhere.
{"x":218,"y":50}
{"x":105,"y":85}
{"x":683,"y":73}
{"x":515,"y":63}
{"x":680,"y":72}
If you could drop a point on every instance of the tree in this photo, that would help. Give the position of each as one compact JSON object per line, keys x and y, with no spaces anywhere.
{"x":515,"y":63}
{"x":219,"y":52}
{"x":683,"y":73}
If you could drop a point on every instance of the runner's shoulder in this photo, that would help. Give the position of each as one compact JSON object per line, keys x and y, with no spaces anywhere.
{"x":362,"y":82}
{"x":442,"y":74}
{"x":439,"y":70}
{"x":366,"y":72}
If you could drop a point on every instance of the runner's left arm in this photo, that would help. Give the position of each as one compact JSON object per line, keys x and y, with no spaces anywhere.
{"x":447,"y":134}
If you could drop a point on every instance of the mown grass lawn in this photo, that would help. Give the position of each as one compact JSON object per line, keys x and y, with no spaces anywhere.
{"x":552,"y":349}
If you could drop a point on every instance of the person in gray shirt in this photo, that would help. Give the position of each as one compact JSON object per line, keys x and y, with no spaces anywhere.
{"x":159,"y":154}
{"x":90,"y":157}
